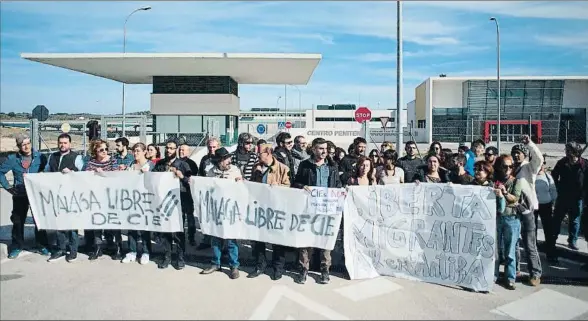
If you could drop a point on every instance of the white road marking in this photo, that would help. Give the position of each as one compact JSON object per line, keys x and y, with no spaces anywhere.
{"x":544,"y":305}
{"x":368,"y":289}
{"x":273,"y":296}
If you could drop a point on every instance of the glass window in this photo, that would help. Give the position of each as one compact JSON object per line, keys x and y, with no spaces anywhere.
{"x":191,"y":124}
{"x":217,"y":125}
{"x":166,"y":124}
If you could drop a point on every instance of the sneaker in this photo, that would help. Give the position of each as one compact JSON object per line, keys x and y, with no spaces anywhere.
{"x":14,"y":254}
{"x":324,"y":278}
{"x":573,"y":247}
{"x":56,"y":256}
{"x":181,"y":263}
{"x":144,"y":259}
{"x":130,"y":257}
{"x":302,"y":277}
{"x":535,"y":281}
{"x":211,"y":269}
{"x":511,"y":285}
{"x":71,"y":257}
{"x":234,"y":273}
{"x":165,"y":262}
{"x":44,"y":251}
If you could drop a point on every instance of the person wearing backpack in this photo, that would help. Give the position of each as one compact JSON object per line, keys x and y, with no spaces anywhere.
{"x":546,"y":192}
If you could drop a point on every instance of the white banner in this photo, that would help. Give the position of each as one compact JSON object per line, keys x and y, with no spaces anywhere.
{"x":272,"y":214}
{"x":110,"y":200}
{"x":435,"y":233}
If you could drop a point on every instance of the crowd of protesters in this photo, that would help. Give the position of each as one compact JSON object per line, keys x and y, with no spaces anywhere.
{"x":525,"y":192}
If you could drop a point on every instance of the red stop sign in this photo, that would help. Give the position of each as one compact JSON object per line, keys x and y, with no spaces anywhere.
{"x":363,"y":114}
{"x":288,"y":124}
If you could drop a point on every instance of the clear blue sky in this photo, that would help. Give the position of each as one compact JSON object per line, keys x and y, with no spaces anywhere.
{"x":356,"y":39}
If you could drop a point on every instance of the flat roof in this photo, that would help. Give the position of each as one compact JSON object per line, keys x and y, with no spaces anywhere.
{"x":510,"y":78}
{"x":139,"y":68}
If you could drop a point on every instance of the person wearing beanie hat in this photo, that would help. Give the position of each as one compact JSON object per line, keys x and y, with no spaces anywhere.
{"x":528,"y":159}
{"x":25,"y":161}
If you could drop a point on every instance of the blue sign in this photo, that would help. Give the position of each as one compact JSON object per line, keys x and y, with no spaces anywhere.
{"x":260,"y":129}
{"x":281,"y":124}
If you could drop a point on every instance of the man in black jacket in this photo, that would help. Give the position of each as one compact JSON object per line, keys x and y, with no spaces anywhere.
{"x":411,"y":163}
{"x":245,"y":156}
{"x":317,"y":171}
{"x":171,"y":163}
{"x":188,"y":211}
{"x":283,"y":153}
{"x":348,"y":162}
{"x":65,"y":161}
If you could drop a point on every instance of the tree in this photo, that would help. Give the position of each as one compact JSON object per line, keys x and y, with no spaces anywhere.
{"x":11,"y":114}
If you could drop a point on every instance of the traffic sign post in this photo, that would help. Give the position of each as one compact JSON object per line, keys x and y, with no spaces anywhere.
{"x":384,"y":121}
{"x":281,"y":124}
{"x":363,"y":114}
{"x":288,"y":125}
{"x":40,"y":113}
{"x":261,"y":129}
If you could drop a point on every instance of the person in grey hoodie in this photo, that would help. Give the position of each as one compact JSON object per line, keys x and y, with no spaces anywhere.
{"x":299,"y":151}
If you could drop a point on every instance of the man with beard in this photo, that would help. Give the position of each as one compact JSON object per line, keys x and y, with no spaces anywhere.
{"x":491,"y":154}
{"x":299,"y":151}
{"x":269,"y":171}
{"x":283,"y":153}
{"x":25,"y":161}
{"x":245,"y":157}
{"x":458,"y":174}
{"x":411,"y":163}
{"x":347,"y":165}
{"x":188,"y":206}
{"x":65,"y":161}
{"x":123,"y":157}
{"x":319,"y":171}
{"x":171,"y":163}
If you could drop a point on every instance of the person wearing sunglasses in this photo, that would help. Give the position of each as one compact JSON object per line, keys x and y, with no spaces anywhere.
{"x":245,"y":156}
{"x":100,"y":161}
{"x":25,"y":161}
{"x":283,"y":153}
{"x":491,"y":154}
{"x":299,"y":150}
{"x":508,"y":224}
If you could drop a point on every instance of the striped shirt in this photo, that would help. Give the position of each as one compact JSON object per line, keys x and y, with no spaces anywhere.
{"x":108,"y":166}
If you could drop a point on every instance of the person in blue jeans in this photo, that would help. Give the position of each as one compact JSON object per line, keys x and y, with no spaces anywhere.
{"x":508,"y":225}
{"x":25,"y":161}
{"x":569,"y":175}
{"x":223,"y":169}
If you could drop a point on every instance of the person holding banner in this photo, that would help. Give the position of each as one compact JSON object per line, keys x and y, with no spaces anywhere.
{"x":458,"y":174}
{"x":432,"y":173}
{"x":65,"y":161}
{"x":318,"y":171}
{"x":269,"y":171}
{"x":212,"y":144}
{"x":223,"y":169}
{"x":363,"y":173}
{"x":410,"y":163}
{"x":244,"y":156}
{"x":100,"y":162}
{"x":390,"y":173}
{"x":25,"y":161}
{"x":141,"y":165}
{"x":171,"y":163}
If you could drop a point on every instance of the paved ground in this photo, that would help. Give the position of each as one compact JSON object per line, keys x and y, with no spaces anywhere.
{"x":31,"y":288}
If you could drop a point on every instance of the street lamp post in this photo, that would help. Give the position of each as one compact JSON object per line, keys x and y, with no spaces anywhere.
{"x":299,"y":99}
{"x":124,"y":51}
{"x":399,"y":75}
{"x":497,"y":81}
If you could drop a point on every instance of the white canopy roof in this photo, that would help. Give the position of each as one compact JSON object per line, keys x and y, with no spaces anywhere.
{"x":139,"y":68}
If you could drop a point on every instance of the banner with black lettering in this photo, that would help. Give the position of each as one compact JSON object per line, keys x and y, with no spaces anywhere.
{"x":435,"y":233}
{"x":273,"y":214}
{"x":125,"y":200}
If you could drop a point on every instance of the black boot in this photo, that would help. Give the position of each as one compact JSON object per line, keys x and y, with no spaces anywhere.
{"x":259,"y":270}
{"x":95,"y":254}
{"x":165,"y":262}
{"x":302,"y":277}
{"x":117,"y":256}
{"x":324,"y":278}
{"x":181,"y":263}
{"x":277,"y":274}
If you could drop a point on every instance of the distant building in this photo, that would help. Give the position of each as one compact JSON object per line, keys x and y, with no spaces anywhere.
{"x":458,"y":109}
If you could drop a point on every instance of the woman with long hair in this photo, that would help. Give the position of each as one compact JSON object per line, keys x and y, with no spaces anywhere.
{"x":433,"y":172}
{"x":390,"y":173}
{"x":375,"y":158}
{"x":435,"y":149}
{"x":508,"y":224}
{"x":153,"y":153}
{"x":100,"y":161}
{"x":364,"y":172}
{"x":141,"y":165}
